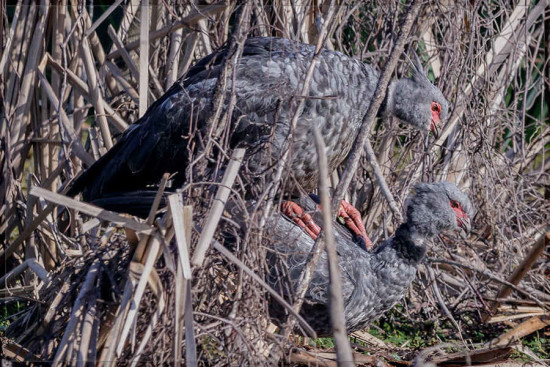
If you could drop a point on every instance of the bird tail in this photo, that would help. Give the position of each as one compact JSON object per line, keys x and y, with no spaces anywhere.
{"x":136,"y":203}
{"x":88,"y":178}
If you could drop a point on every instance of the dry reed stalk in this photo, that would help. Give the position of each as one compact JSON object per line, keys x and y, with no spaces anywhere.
{"x":95,"y":94}
{"x":176,"y":210}
{"x":215,"y":212}
{"x":117,"y":44}
{"x":76,"y":315}
{"x":336,"y":300}
{"x":119,"y":77}
{"x":188,"y":21}
{"x":29,"y":76}
{"x":144,"y":58}
{"x":81,"y":86}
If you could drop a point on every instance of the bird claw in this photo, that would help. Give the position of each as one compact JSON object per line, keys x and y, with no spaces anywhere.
{"x":301,"y":218}
{"x":352,"y":218}
{"x":347,"y":213}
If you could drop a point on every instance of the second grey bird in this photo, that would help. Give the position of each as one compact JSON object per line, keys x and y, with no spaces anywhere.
{"x":372,"y":282}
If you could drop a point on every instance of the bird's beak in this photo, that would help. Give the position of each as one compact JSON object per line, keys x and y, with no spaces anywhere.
{"x":434,"y":127}
{"x":464,"y":224}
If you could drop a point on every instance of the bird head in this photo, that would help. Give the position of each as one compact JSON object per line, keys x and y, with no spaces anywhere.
{"x":436,"y":207}
{"x":417,"y":102}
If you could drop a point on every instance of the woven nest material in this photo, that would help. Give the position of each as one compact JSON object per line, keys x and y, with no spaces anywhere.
{"x":81,"y":284}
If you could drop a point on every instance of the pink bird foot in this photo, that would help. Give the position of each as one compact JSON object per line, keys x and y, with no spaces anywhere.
{"x":301,"y":218}
{"x":347,"y":213}
{"x":352,"y":219}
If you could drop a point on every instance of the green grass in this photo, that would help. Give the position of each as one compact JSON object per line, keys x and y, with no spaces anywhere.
{"x":394,"y":328}
{"x":323,"y":343}
{"x":7,"y":310}
{"x":540,"y":345}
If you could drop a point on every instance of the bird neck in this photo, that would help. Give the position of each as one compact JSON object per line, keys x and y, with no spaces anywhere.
{"x":409,"y":244}
{"x":386,"y":108}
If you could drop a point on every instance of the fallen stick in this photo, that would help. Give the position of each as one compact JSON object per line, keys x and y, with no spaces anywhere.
{"x":523,"y":329}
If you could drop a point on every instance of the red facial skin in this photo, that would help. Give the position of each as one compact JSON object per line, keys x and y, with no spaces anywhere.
{"x":461,"y":216}
{"x":436,"y":117}
{"x":347,"y":212}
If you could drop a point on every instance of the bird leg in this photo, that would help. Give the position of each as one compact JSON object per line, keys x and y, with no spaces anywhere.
{"x":301,"y":218}
{"x":352,"y":219}
{"x":347,"y":213}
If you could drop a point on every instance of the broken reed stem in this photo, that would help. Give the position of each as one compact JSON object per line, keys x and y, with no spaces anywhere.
{"x":215,"y":213}
{"x":336,"y":299}
{"x":175,"y":203}
{"x":90,"y":210}
{"x":379,"y":94}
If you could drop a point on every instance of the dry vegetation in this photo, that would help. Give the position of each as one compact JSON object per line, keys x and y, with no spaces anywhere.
{"x":72,"y":81}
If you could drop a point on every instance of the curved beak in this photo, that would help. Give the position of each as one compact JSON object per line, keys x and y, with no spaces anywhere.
{"x":434,"y":127}
{"x":464,"y":224}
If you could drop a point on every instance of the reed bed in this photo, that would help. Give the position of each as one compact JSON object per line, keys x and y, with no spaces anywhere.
{"x":84,"y":285}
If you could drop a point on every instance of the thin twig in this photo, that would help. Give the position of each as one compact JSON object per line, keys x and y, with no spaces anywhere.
{"x":489,"y":275}
{"x":369,"y":118}
{"x":303,"y":323}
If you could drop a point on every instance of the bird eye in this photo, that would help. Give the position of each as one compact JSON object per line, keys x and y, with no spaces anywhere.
{"x":455,"y":204}
{"x":436,"y":107}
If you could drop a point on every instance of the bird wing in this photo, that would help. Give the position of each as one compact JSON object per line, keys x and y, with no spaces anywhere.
{"x":270,"y":76}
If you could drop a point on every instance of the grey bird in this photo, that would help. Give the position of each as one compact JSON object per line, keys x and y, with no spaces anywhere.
{"x":267,"y":86}
{"x":372,"y":282}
